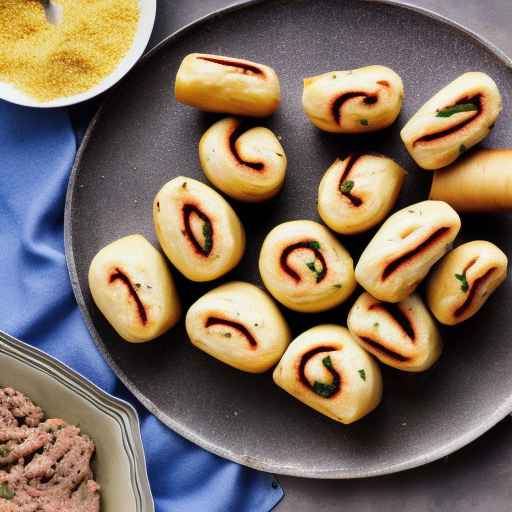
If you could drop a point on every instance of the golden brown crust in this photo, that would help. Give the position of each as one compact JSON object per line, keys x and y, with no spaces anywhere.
{"x":464,"y":279}
{"x":217,"y":83}
{"x":355,"y":101}
{"x":481,"y":182}
{"x":401,"y":335}
{"x":456,"y":118}
{"x":404,"y":249}
{"x":326,"y":369}
{"x":358,"y":191}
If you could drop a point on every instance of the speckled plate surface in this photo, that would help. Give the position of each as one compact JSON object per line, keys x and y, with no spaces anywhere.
{"x":142,"y":138}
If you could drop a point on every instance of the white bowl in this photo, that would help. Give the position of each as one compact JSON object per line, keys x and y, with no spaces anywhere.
{"x":147,"y":16}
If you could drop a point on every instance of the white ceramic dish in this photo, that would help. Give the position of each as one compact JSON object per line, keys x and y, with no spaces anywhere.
{"x":119,"y":464}
{"x":146,"y":21}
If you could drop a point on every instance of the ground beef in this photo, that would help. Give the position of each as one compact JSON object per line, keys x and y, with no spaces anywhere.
{"x":45,"y":466}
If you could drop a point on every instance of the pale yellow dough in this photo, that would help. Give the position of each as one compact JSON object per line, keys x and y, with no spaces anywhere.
{"x":198,"y":230}
{"x":216,"y":83}
{"x":441,"y":149}
{"x":401,"y":335}
{"x":240,"y":325}
{"x":405,"y":248}
{"x":464,"y":279}
{"x":249,"y":166}
{"x":133,"y":288}
{"x":357,"y":193}
{"x":360,"y":381}
{"x":356,"y":101}
{"x":291,"y":267}
{"x":480,"y":182}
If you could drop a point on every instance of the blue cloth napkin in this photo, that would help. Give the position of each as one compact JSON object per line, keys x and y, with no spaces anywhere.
{"x":37,"y":305}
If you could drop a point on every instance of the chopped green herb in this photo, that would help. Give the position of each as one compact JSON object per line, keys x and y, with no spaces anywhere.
{"x":256,"y":324}
{"x":327,"y":390}
{"x":137,"y":285}
{"x":314,"y":245}
{"x":280,"y":154}
{"x":462,"y":149}
{"x":346,"y":187}
{"x":464,"y":285}
{"x":364,"y":122}
{"x":362,"y":373}
{"x":6,"y":492}
{"x":338,"y":285}
{"x":311,"y":265}
{"x":207,"y":233}
{"x":334,"y":76}
{"x":376,"y":324}
{"x":227,"y":335}
{"x":411,"y":211}
{"x":184,"y":184}
{"x":4,"y":450}
{"x":457,"y":109}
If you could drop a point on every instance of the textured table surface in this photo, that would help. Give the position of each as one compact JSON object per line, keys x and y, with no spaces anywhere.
{"x":478,"y":478}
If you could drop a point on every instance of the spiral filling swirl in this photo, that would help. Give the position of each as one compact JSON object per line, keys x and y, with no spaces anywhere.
{"x":314,"y":247}
{"x":410,"y":255}
{"x":119,"y":275}
{"x":243,"y":66}
{"x":474,"y":100}
{"x":212,"y":320}
{"x":325,"y":390}
{"x":205,"y":247}
{"x":237,"y":131}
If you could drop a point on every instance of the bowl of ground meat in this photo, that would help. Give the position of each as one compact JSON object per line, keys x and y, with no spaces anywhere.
{"x":65,"y":445}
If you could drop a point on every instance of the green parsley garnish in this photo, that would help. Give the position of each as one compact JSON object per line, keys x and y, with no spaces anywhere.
{"x":4,"y":450}
{"x":464,"y":286}
{"x":280,"y":154}
{"x":227,"y":335}
{"x":346,"y":187}
{"x":311,"y":265}
{"x":338,"y":285}
{"x":207,"y":233}
{"x":376,"y":324}
{"x":184,"y":184}
{"x":327,"y":390}
{"x":314,"y":245}
{"x":362,"y":373}
{"x":462,"y":149}
{"x":6,"y":492}
{"x":456,"y":109}
{"x":334,"y":77}
{"x":364,"y":122}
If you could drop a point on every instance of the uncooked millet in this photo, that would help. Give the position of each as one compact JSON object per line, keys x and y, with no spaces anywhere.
{"x":48,"y":61}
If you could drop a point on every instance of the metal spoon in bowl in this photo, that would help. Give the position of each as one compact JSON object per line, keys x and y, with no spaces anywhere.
{"x":53,"y":11}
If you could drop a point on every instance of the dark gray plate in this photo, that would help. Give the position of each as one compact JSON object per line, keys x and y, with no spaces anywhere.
{"x":142,"y":138}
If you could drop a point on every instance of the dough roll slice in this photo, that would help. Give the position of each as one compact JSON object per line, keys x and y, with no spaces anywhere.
{"x":405,"y":248}
{"x":240,"y":325}
{"x":358,"y":191}
{"x":481,"y":182}
{"x":464,"y":280}
{"x":401,"y":335}
{"x":216,"y":83}
{"x":356,"y":101}
{"x":305,"y":268}
{"x":455,"y":119}
{"x":248,"y":165}
{"x":198,"y":230}
{"x":133,"y":288}
{"x":327,"y":370}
